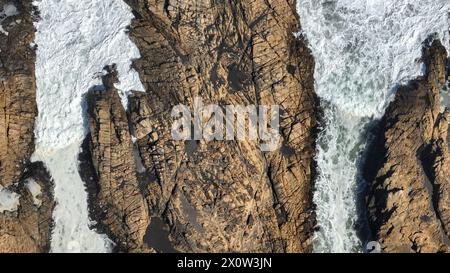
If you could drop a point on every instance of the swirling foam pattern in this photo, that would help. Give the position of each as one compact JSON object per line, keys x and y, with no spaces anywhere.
{"x":75,"y":39}
{"x":363,"y":49}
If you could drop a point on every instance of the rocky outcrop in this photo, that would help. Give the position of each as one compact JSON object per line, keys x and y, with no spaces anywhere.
{"x":28,"y":227}
{"x":17,"y":90}
{"x":217,"y":196}
{"x":116,"y":200}
{"x":26,"y":201}
{"x":408,"y":165}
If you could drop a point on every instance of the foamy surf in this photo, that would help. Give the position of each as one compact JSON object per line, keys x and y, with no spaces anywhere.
{"x":362,"y":49}
{"x":75,"y":39}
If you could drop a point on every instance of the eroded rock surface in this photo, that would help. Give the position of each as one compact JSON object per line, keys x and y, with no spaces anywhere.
{"x":200,"y":196}
{"x":17,"y":90}
{"x":28,"y":228}
{"x":24,"y":227}
{"x":217,"y":196}
{"x":408,"y":166}
{"x":115,"y":197}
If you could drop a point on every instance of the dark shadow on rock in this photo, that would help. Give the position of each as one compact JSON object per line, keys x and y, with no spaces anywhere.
{"x":157,"y":236}
{"x":368,"y":164}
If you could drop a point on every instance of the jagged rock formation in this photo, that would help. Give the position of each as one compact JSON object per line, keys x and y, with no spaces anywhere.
{"x":225,"y":196}
{"x":17,"y":92}
{"x":116,"y":199}
{"x":27,"y":227}
{"x":212,"y":196}
{"x":217,"y":196}
{"x":408,"y":165}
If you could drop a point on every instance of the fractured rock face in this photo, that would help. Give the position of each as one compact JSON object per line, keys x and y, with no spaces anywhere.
{"x":200,"y":196}
{"x":17,"y":91}
{"x":408,"y":166}
{"x":28,"y":228}
{"x":217,"y":196}
{"x":116,"y":200}
{"x":24,"y":226}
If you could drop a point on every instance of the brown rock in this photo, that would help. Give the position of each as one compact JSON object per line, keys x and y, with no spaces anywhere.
{"x":225,"y":196}
{"x":17,"y":93}
{"x":408,"y":166}
{"x":26,"y":229}
{"x":116,"y":201}
{"x":211,"y":196}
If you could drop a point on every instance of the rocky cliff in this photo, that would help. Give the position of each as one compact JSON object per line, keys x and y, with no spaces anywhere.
{"x":151,"y":193}
{"x":217,"y":196}
{"x":26,"y":202}
{"x":408,"y":165}
{"x":116,"y":199}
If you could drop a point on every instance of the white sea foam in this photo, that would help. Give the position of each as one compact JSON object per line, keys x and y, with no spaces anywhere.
{"x":76,"y":39}
{"x":8,"y":10}
{"x":35,"y":190}
{"x":9,"y":200}
{"x":362,"y":48}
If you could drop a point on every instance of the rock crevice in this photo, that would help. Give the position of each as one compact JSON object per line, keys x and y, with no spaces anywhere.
{"x":25,"y":227}
{"x":216,"y":196}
